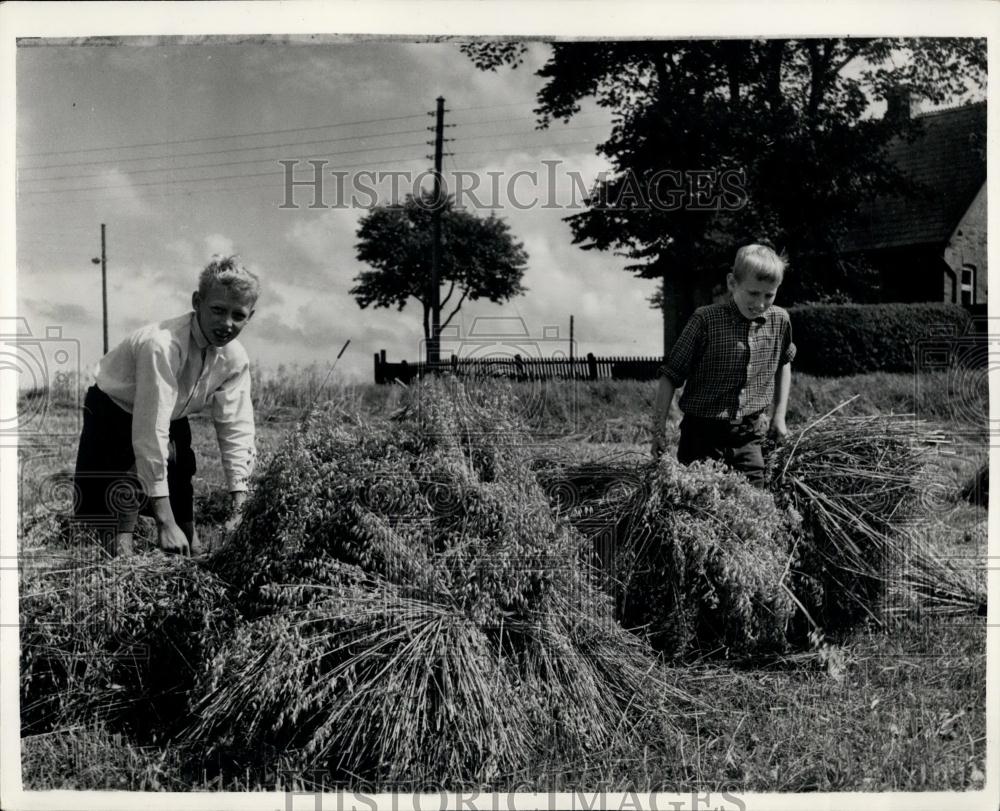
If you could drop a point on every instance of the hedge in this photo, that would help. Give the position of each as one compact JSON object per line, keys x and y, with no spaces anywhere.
{"x":847,"y":339}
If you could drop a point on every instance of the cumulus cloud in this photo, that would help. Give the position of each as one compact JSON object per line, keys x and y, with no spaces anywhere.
{"x":219,"y":244}
{"x":183,"y":249}
{"x":59,"y":312}
{"x":322,"y":249}
{"x":118,"y":197}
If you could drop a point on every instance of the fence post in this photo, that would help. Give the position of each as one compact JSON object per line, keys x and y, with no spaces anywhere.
{"x":592,"y":366}
{"x":454,"y":364}
{"x":519,"y":365}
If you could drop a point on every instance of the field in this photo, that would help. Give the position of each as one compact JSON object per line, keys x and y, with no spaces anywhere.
{"x":898,"y":705}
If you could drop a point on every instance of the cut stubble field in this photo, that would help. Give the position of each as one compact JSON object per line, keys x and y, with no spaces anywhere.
{"x":895,"y":706}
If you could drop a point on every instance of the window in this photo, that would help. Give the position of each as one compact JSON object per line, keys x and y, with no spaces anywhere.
{"x":968,"y":284}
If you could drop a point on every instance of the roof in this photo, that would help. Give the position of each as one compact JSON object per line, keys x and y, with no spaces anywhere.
{"x":948,"y":160}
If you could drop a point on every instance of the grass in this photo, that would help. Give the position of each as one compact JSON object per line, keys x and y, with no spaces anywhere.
{"x":89,"y":757}
{"x":416,"y":611}
{"x":899,"y":712}
{"x":907,"y":706}
{"x":895,"y":709}
{"x":114,"y":639}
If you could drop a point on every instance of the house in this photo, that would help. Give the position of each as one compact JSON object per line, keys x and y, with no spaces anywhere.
{"x":931,"y":245}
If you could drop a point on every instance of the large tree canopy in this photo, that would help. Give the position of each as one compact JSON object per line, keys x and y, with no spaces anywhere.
{"x":785,"y":122}
{"x":479,"y":258}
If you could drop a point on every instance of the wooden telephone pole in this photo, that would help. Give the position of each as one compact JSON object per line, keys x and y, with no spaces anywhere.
{"x":434,"y":349}
{"x":104,"y":284}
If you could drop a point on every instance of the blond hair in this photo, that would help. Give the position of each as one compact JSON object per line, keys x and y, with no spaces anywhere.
{"x":226,"y":272}
{"x":761,"y":262}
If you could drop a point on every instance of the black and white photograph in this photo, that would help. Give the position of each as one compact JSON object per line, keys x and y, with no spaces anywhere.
{"x":493,"y":406}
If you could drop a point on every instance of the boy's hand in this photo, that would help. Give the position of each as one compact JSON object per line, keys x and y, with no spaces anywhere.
{"x":236,"y":510}
{"x":197,"y":550}
{"x":778,"y":428}
{"x":191,"y":533}
{"x":171,"y":539}
{"x":660,"y":436}
{"x":657,"y":447}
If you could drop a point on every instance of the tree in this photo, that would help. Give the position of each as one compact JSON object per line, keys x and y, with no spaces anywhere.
{"x":479,"y":258}
{"x":787,"y":119}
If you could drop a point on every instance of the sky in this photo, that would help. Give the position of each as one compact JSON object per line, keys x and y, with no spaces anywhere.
{"x":104,"y":131}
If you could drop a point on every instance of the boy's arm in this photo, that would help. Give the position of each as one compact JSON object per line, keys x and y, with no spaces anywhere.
{"x":783,"y":383}
{"x":661,"y":411}
{"x":232,"y":412}
{"x":155,"y":396}
{"x":687,"y":348}
{"x":782,"y":387}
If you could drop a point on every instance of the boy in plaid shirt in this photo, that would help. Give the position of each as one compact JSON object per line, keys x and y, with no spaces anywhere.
{"x":735,"y":359}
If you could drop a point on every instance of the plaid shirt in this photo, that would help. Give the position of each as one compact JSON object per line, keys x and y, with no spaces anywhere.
{"x":729,"y":361}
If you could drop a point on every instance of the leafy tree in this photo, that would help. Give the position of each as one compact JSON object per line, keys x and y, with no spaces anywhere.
{"x":479,"y":257}
{"x":785,"y":121}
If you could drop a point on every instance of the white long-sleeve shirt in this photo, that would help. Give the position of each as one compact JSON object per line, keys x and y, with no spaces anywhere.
{"x":166,"y":371}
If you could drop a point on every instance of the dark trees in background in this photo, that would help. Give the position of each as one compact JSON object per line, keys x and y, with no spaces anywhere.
{"x":785,"y":120}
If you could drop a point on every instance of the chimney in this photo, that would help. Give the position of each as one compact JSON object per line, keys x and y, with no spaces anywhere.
{"x":902,"y":104}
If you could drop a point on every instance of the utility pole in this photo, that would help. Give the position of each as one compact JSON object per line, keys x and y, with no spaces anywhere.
{"x":434,"y":350}
{"x":572,"y":368}
{"x":104,"y":285}
{"x":434,"y":347}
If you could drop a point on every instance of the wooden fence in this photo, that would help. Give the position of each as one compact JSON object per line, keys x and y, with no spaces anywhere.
{"x":521,"y":368}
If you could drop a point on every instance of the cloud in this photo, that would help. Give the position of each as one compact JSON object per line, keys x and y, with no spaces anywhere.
{"x":183,"y":249}
{"x":322,"y":250}
{"x":118,"y":197}
{"x":58,"y":312}
{"x":313,"y":330}
{"x":219,"y":244}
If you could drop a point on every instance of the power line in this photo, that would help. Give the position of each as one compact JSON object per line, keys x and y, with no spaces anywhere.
{"x":200,"y":179}
{"x":508,"y":118}
{"x":366,"y":164}
{"x":524,"y":146}
{"x":59,"y":233}
{"x":491,"y":106}
{"x":111,"y":198}
{"x":197,"y":153}
{"x":224,"y":151}
{"x":522,"y":132}
{"x":254,"y":186}
{"x":200,"y":153}
{"x":227,"y":163}
{"x":216,"y":165}
{"x":221,"y":137}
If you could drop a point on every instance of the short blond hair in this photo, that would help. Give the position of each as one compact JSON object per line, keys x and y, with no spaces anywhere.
{"x":227,"y":272}
{"x":760,"y":261}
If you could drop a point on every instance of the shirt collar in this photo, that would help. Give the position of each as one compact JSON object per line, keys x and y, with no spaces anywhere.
{"x":735,"y":311}
{"x":199,"y":337}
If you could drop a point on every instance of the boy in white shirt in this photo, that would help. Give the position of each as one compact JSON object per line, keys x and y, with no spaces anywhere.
{"x":135,"y":446}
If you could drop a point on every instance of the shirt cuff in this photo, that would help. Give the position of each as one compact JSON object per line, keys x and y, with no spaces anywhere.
{"x":156,"y":489}
{"x":238,"y":486}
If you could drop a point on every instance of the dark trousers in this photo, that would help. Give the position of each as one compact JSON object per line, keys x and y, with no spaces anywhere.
{"x":104,"y":484}
{"x":735,"y":444}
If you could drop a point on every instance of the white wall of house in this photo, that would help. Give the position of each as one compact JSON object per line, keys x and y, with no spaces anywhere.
{"x":965,"y":254}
